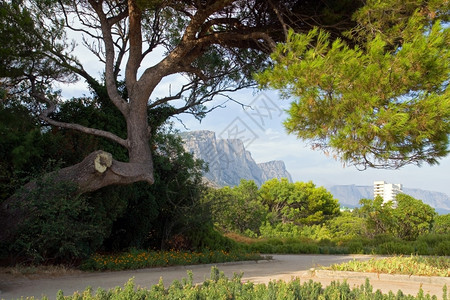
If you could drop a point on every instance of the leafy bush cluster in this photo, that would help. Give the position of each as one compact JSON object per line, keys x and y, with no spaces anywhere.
{"x":62,"y":227}
{"x":386,"y":245}
{"x":221,"y":287}
{"x":277,"y":208}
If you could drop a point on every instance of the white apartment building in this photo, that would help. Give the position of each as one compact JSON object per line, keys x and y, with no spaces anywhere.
{"x":385,"y":190}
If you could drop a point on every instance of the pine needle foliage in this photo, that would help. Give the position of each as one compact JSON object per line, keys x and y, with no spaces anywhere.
{"x":382,"y":104}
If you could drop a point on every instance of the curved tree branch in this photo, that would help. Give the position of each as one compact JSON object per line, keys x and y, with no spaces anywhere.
{"x":44,"y":115}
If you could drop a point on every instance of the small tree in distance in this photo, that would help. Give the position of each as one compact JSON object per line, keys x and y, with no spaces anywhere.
{"x":405,"y":218}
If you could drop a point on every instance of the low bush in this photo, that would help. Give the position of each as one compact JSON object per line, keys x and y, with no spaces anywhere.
{"x":220,"y":287}
{"x":209,"y":238}
{"x":433,"y":240}
{"x":412,"y":265}
{"x":60,"y":227}
{"x":395,"y":248}
{"x":380,"y":244}
{"x":443,"y":248}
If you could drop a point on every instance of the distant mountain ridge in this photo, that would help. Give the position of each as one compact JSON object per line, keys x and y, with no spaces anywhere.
{"x":349,"y":195}
{"x":229,"y":161}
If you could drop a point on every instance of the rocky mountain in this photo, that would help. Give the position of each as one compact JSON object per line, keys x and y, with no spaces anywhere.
{"x":274,"y":169}
{"x":229,"y":161}
{"x":349,"y":195}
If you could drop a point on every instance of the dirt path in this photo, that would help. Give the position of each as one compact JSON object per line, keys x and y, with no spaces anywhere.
{"x":282,"y":267}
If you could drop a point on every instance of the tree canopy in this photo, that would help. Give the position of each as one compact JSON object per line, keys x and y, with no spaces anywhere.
{"x":381,"y":102}
{"x":405,"y":217}
{"x":215,"y":45}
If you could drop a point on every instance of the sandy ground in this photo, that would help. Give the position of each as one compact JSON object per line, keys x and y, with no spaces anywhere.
{"x":282,"y":267}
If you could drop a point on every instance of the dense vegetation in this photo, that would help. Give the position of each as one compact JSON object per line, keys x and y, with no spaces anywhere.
{"x":299,"y":217}
{"x":178,"y":212}
{"x":146,"y":192}
{"x":66,"y":226}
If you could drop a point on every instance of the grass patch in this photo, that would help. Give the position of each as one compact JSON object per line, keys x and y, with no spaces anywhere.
{"x":138,"y":259}
{"x":413,"y":265}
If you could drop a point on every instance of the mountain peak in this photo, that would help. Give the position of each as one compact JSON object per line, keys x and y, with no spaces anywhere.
{"x":229,"y":161}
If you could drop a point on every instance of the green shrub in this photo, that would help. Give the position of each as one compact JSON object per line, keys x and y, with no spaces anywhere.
{"x":220,"y":287}
{"x":289,"y":246}
{"x":432,"y":240}
{"x":355,"y":246}
{"x":383,"y":238}
{"x":62,"y":226}
{"x":274,"y":241}
{"x":280,"y":230}
{"x":395,"y":248}
{"x":209,"y":238}
{"x":262,"y":247}
{"x":421,"y":248}
{"x":443,"y":248}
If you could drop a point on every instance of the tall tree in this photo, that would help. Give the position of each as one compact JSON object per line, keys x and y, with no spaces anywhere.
{"x":383,"y":103}
{"x":216,"y":45}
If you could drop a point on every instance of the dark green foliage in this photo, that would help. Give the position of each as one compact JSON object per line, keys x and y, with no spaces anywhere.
{"x":286,"y":246}
{"x":25,"y":148}
{"x":136,"y":215}
{"x":395,"y":248}
{"x":163,"y":215}
{"x":60,"y":227}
